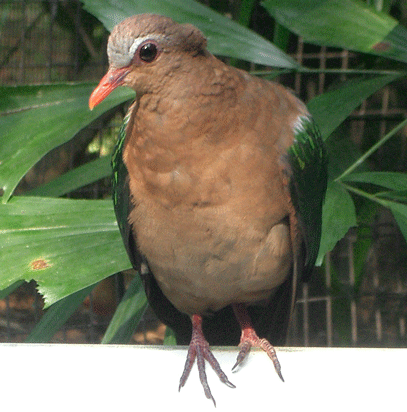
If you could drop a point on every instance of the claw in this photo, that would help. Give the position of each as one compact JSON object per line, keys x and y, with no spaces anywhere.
{"x":245,"y":347}
{"x":199,"y":350}
{"x":250,"y":338}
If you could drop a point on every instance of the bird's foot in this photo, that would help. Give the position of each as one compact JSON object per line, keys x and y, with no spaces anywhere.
{"x":249,"y":339}
{"x":199,"y":350}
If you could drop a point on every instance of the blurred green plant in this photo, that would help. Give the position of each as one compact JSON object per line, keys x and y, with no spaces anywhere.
{"x":67,"y":245}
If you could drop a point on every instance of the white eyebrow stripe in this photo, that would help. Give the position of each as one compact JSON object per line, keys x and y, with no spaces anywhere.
{"x":140,"y":40}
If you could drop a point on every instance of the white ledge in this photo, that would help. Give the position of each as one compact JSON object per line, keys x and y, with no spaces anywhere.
{"x":110,"y":378}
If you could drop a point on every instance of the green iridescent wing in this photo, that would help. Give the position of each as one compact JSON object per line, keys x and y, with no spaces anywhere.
{"x":305,"y":170}
{"x":121,"y":195}
{"x":307,"y":158}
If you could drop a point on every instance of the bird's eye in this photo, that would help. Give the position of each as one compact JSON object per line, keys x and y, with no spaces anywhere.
{"x":148,"y":52}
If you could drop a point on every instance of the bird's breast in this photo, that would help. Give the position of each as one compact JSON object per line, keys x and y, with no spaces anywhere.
{"x":212,"y":234}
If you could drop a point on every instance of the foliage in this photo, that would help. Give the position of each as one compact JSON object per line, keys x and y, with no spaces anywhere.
{"x":69,"y":245}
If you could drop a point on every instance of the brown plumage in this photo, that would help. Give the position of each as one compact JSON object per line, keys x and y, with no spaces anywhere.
{"x":211,"y":211}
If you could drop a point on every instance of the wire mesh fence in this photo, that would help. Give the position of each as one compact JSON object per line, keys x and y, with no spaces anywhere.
{"x":49,"y":41}
{"x":347,"y":302}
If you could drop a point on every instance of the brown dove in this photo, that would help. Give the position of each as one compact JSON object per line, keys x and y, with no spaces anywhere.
{"x":219,"y":180}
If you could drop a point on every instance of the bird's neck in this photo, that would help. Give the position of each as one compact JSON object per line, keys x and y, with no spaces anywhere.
{"x":194,"y":106}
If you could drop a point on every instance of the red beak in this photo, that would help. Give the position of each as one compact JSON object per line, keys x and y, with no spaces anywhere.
{"x":111,"y":80}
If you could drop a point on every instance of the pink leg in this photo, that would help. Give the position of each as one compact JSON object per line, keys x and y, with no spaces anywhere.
{"x":249,"y":338}
{"x":199,"y":349}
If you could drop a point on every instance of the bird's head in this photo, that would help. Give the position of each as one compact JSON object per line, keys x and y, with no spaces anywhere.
{"x":143,"y":51}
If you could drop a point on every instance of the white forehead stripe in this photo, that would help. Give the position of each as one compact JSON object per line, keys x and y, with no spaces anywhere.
{"x":121,"y":51}
{"x":140,"y":40}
